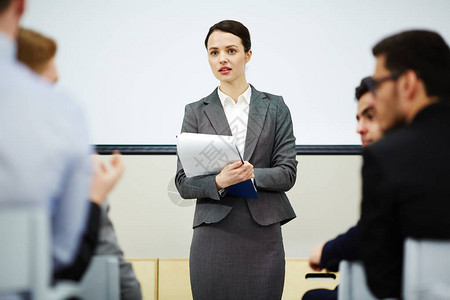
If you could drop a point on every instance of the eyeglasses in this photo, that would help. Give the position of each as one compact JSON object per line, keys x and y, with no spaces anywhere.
{"x":373,"y":84}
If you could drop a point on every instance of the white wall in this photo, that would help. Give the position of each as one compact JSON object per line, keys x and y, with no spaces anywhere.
{"x":152,"y":221}
{"x":136,"y":64}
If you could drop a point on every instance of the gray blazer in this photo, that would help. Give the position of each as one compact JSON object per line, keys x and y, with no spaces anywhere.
{"x":269,"y":147}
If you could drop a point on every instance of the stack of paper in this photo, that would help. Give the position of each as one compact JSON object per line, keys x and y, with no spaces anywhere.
{"x":205,"y":154}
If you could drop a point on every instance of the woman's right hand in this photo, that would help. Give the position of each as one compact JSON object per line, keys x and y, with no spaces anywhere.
{"x":234,"y":173}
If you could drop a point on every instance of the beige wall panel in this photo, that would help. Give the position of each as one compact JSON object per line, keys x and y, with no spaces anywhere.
{"x":146,"y":270}
{"x":174,"y":280}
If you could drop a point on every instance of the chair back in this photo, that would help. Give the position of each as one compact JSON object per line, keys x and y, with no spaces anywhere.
{"x":25,"y":260}
{"x":25,"y":264}
{"x":353,"y":284}
{"x":426,"y":269}
{"x":101,"y":280}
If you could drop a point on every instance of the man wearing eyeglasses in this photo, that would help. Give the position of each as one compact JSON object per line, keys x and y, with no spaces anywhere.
{"x":346,"y":246}
{"x":406,"y":175}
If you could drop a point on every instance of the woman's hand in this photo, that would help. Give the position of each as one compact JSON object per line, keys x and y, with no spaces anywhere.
{"x":234,"y":173}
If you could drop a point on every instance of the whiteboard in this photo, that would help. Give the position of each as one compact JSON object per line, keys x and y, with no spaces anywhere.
{"x":134,"y":65}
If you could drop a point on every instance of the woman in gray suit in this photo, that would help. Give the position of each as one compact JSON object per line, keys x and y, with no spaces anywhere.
{"x":237,"y":248}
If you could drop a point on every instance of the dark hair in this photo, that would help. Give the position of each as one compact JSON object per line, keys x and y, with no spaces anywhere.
{"x":233,"y":27}
{"x":362,"y":88}
{"x":4,"y":4}
{"x":424,"y":52}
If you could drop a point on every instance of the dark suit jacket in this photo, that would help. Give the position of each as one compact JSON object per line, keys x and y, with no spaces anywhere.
{"x":344,"y":247}
{"x":406,"y":193}
{"x":269,"y":147}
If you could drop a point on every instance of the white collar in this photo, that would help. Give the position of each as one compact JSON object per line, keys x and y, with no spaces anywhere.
{"x":245,"y":97}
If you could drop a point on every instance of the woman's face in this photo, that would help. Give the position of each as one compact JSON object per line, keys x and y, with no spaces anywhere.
{"x":227,"y":57}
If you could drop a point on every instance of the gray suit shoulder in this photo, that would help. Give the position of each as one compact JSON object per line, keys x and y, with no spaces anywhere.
{"x":196,"y":104}
{"x":277,"y":101}
{"x":273,"y":97}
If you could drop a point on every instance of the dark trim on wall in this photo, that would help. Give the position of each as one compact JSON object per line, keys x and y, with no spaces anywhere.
{"x":171,"y":149}
{"x":328,"y":149}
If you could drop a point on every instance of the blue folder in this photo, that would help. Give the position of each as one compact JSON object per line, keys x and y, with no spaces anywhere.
{"x":243,"y":189}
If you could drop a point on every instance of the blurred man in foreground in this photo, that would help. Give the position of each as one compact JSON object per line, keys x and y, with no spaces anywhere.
{"x":38,"y":53}
{"x":406,"y":174}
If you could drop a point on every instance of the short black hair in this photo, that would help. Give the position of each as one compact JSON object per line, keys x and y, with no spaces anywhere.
{"x":425,"y":52}
{"x":4,"y":4}
{"x":362,"y":88}
{"x":233,"y":27}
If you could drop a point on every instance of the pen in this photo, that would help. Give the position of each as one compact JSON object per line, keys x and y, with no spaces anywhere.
{"x":240,"y":156}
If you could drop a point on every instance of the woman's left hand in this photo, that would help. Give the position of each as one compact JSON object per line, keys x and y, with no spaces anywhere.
{"x":234,"y":173}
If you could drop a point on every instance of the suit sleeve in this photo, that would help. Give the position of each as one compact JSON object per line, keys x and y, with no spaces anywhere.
{"x":282,"y":174}
{"x":344,"y":247}
{"x":381,"y":248}
{"x":86,"y":249}
{"x":198,"y":186}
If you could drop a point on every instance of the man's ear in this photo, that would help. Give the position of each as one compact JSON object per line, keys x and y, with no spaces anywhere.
{"x":20,"y":7}
{"x":409,"y":84}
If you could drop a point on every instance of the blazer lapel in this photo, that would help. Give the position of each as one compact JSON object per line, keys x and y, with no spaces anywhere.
{"x":256,"y":117}
{"x":216,"y":115}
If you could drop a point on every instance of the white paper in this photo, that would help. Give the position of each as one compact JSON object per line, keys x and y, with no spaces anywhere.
{"x":203,"y":154}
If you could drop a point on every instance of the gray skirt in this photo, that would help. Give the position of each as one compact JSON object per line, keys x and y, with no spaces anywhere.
{"x":237,"y":258}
